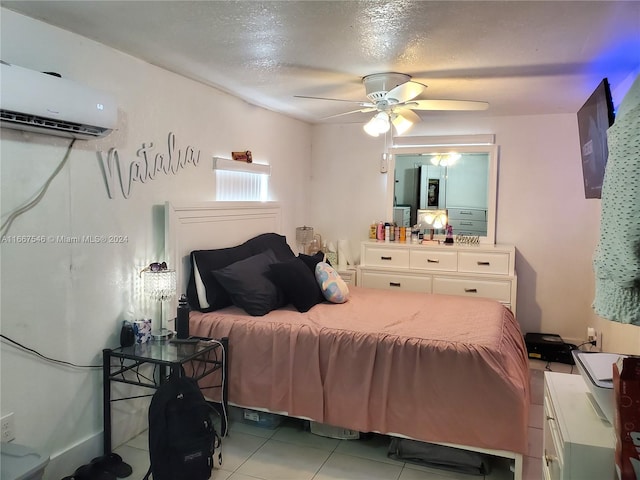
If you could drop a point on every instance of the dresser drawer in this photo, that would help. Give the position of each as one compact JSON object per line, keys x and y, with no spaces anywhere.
{"x":438,"y":260}
{"x":478,"y":227}
{"x":483,"y":262}
{"x":386,"y":257}
{"x":391,"y":281}
{"x":467,"y":214}
{"x":473,"y":287}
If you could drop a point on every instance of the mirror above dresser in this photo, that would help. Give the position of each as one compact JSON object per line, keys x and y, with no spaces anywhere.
{"x":461,"y":179}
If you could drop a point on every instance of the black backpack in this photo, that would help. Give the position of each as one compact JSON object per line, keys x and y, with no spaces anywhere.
{"x":182,"y":438}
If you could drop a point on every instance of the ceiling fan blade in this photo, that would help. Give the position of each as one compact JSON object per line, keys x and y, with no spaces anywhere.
{"x":446,"y":105}
{"x":405,"y":92}
{"x":362,"y":110}
{"x":359,"y":102}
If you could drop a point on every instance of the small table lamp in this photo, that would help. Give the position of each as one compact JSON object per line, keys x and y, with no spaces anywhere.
{"x":433,"y":220}
{"x":160,"y":285}
{"x":304,"y":236}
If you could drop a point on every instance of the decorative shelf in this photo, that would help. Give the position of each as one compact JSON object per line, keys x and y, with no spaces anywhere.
{"x":444,"y":140}
{"x":236,"y":166}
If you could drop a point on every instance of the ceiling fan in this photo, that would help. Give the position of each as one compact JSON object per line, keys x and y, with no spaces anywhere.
{"x":393,"y":96}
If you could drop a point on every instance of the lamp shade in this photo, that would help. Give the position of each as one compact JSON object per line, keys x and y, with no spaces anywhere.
{"x":160,"y":285}
{"x":378,"y":124}
{"x":304,"y":235}
{"x":401,"y":123}
{"x":435,"y":219}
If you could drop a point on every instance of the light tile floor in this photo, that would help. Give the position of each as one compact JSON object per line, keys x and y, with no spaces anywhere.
{"x":289,"y":452}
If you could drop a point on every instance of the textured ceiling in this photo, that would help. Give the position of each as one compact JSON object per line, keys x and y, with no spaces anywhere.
{"x":522,"y":57}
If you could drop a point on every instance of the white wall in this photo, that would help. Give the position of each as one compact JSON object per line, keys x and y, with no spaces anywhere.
{"x":541,"y":206}
{"x":68,"y":300}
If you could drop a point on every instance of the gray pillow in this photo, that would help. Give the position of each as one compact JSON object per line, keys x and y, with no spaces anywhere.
{"x":249,"y":285}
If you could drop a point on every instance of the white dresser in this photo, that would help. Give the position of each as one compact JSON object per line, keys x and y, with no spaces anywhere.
{"x":348,"y":274}
{"x":577,"y":444}
{"x":486,"y":271}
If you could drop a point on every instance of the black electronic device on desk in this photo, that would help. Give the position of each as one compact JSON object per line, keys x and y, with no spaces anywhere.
{"x":549,"y":347}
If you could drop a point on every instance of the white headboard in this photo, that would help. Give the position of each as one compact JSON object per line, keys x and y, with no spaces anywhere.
{"x":202,"y":226}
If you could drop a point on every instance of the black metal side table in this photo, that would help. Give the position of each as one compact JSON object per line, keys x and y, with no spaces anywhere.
{"x":198,"y":358}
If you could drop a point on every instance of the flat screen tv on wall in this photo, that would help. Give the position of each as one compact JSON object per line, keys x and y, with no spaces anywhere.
{"x":594,"y":118}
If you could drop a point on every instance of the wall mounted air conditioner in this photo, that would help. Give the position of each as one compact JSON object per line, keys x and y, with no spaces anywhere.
{"x":45,"y":103}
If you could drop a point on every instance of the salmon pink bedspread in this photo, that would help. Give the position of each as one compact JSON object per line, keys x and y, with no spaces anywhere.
{"x":432,"y":367}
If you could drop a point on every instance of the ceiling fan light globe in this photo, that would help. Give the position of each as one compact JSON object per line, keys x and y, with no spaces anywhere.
{"x":383,"y":127}
{"x":370,"y":128}
{"x":454,"y":157}
{"x":378,"y":124}
{"x":401,"y":124}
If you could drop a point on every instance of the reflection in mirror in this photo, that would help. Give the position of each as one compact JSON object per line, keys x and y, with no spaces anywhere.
{"x":461,"y":180}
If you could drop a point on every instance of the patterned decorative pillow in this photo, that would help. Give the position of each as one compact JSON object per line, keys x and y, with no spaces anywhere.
{"x":333,"y":287}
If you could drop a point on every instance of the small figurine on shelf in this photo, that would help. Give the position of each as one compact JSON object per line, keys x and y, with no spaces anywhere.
{"x":449,"y":238}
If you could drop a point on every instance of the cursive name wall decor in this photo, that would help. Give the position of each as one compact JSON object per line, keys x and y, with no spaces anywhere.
{"x":123,"y":174}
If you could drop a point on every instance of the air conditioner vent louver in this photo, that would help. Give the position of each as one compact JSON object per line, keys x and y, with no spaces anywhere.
{"x":38,"y":123}
{"x":42,"y":103}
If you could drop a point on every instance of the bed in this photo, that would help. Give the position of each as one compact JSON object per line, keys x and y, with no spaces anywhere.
{"x":435,"y":368}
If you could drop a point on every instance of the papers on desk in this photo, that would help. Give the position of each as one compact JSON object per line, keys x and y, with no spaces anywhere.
{"x":599,"y":367}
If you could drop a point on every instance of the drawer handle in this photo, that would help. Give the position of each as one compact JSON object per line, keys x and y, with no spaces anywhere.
{"x":394,"y":284}
{"x":462,"y":212}
{"x":385,"y":258}
{"x":432,"y":261}
{"x":484,"y":264}
{"x":470,"y":290}
{"x":466,"y":223}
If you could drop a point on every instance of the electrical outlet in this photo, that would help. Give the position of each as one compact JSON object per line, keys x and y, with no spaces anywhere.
{"x":7,"y":430}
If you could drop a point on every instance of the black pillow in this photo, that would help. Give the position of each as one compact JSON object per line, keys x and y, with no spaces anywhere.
{"x":271,"y":241}
{"x":312,"y":260}
{"x":203,"y":262}
{"x":297,"y":282}
{"x":249,"y":286}
{"x":215,"y":296}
